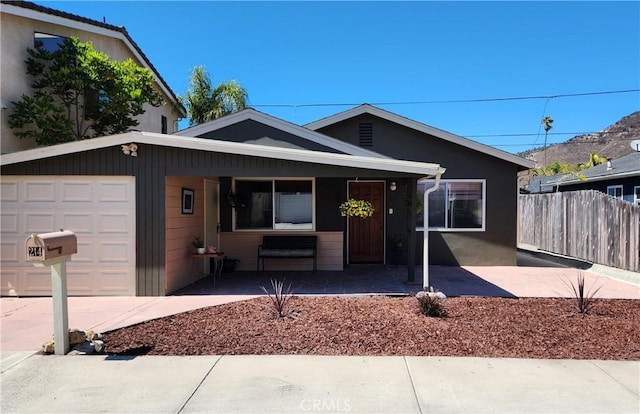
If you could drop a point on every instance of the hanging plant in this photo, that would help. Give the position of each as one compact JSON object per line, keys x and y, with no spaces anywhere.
{"x":356,"y":208}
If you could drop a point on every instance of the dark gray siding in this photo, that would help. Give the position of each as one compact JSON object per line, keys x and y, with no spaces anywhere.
{"x":627,"y":185}
{"x":495,"y":246}
{"x":250,"y":130}
{"x":330,"y":192}
{"x":151,"y":166}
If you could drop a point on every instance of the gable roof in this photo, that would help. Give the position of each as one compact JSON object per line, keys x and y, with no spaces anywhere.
{"x":211,"y":145}
{"x":302,"y":132}
{"x":623,"y":167}
{"x":36,"y":12}
{"x":418,"y":126}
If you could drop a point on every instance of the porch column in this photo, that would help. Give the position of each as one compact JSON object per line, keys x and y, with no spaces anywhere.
{"x":411,"y":230}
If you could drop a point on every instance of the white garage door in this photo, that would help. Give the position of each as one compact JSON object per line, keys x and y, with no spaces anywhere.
{"x":99,"y":210}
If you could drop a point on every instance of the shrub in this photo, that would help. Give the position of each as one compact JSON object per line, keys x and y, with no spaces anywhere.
{"x":431,"y":303}
{"x":280,"y":298}
{"x":583,"y":300}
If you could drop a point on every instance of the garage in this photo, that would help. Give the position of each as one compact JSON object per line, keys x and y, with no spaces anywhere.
{"x":99,"y":209}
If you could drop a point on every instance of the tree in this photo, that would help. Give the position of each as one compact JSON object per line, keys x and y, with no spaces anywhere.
{"x":79,"y":93}
{"x":546,"y":121}
{"x":205,"y":103}
{"x":594,"y":159}
{"x":554,"y":168}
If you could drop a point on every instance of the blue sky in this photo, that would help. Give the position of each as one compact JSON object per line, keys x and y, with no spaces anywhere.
{"x":298,"y":54}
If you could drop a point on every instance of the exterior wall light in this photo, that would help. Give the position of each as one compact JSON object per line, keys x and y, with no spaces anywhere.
{"x":130,"y":149}
{"x":393,"y":186}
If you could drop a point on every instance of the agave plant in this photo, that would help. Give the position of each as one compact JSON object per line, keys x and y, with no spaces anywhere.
{"x":583,"y":300}
{"x":280,"y":297}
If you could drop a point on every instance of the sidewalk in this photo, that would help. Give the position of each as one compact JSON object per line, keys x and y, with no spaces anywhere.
{"x":298,"y":384}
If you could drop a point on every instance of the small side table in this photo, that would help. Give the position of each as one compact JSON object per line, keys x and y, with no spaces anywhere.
{"x":218,"y":262}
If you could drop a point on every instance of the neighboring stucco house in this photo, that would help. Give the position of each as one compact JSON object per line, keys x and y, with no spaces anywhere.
{"x":619,"y":177}
{"x":23,"y":23}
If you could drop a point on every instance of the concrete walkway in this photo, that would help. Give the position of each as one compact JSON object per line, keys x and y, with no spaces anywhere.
{"x":299,"y":384}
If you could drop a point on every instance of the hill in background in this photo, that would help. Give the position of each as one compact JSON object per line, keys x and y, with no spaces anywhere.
{"x":612,"y":142}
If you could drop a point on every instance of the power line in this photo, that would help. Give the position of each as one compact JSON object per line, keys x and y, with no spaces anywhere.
{"x":550,"y":133}
{"x":513,"y":98}
{"x":549,"y":144}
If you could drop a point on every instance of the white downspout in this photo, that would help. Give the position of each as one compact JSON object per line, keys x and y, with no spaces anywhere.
{"x":425,"y":248}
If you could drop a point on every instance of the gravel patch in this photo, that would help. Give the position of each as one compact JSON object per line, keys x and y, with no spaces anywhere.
{"x":478,"y":327}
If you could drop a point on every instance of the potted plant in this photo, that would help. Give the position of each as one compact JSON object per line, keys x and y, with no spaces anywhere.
{"x":198,"y":243}
{"x":356,"y":208}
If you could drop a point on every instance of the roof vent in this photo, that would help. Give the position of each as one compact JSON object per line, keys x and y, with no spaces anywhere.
{"x":365,"y":134}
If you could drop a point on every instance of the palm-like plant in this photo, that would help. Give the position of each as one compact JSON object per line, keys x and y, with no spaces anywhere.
{"x":594,"y":159}
{"x":205,"y":103}
{"x":546,"y":121}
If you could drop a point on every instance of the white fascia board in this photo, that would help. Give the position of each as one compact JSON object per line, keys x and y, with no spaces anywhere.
{"x":302,"y":132}
{"x":64,"y":149}
{"x":418,"y":126}
{"x":210,"y":145}
{"x":86,"y":27}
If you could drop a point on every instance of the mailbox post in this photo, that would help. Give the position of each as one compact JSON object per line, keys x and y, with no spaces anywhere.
{"x":55,"y":249}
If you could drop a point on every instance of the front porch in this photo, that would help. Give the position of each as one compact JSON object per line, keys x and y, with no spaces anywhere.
{"x":354,"y":280}
{"x":532,"y":277}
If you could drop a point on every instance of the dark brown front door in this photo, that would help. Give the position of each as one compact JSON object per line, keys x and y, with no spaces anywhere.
{"x":366,"y":234}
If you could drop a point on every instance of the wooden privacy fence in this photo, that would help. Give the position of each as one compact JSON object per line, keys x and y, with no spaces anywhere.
{"x":587,"y":225}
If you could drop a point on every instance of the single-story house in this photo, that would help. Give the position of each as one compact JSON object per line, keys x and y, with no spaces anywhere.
{"x":247,"y":175}
{"x":619,"y":177}
{"x":472,"y":215}
{"x":136,"y":208}
{"x":133,"y":227}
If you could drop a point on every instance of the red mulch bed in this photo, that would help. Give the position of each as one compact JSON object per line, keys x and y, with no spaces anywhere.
{"x":479,"y":327}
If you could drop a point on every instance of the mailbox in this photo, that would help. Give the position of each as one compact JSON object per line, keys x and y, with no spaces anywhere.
{"x":51,"y":246}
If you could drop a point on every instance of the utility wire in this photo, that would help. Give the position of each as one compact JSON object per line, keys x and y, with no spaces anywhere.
{"x":549,"y":144}
{"x":513,"y":98}
{"x":550,"y":133}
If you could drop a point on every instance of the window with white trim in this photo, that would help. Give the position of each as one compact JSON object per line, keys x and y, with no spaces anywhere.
{"x":615,"y":191}
{"x":274,"y":204}
{"x":457,"y":205}
{"x":636,"y":195}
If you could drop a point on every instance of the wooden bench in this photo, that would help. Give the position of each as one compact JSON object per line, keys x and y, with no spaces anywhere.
{"x":288,"y":247}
